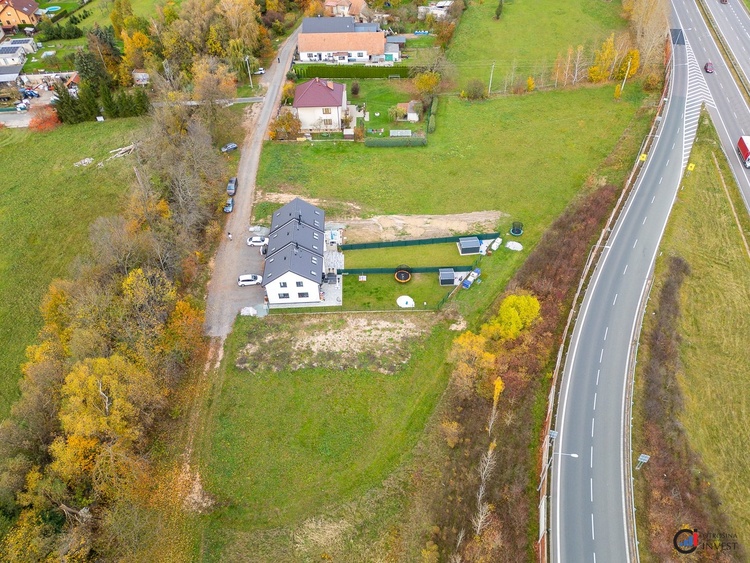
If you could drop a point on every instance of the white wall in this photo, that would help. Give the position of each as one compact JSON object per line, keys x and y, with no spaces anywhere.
{"x":274,"y":289}
{"x":312,"y":119}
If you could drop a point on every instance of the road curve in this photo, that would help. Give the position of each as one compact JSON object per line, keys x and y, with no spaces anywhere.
{"x":588,"y":514}
{"x":234,"y":257}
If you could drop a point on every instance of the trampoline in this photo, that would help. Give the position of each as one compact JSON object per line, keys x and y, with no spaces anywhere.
{"x":517,"y":229}
{"x":403,"y":274}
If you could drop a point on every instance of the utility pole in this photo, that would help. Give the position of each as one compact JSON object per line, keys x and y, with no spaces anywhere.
{"x":624,"y":78}
{"x":492,"y":72}
{"x":249,"y":74}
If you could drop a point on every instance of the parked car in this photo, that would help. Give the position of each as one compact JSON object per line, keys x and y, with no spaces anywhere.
{"x":232,"y":186}
{"x":229,"y":207}
{"x":22,"y":106}
{"x":261,"y":70}
{"x":709,"y":68}
{"x":229,"y":147}
{"x":26,"y":93}
{"x":249,"y":279}
{"x":257,"y":241}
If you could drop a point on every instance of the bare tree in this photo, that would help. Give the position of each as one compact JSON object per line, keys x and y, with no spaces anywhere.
{"x":480,"y":519}
{"x":579,"y":65}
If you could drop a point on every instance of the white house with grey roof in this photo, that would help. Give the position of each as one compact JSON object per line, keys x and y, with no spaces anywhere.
{"x":294,"y":261}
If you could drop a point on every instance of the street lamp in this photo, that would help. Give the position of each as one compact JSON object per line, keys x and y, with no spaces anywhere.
{"x":249,"y":74}
{"x":543,"y":476}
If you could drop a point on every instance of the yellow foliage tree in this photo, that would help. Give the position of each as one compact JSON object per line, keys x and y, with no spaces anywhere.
{"x":136,"y":47}
{"x":73,"y":458}
{"x":604,"y":60}
{"x":515,"y":314}
{"x":471,"y":361}
{"x":427,"y":83}
{"x":452,"y":432}
{"x":530,"y":84}
{"x":632,"y":58}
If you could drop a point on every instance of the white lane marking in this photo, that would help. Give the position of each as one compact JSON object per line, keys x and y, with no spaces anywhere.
{"x":667,"y":164}
{"x":594,"y":401}
{"x":644,"y":220}
{"x":606,"y":331}
{"x":601,"y":355}
{"x":625,"y":270}
{"x":660,"y":179}
{"x":672,"y":146}
{"x":592,"y":527}
{"x":597,"y":376}
{"x":592,"y":427}
{"x":652,"y":199}
{"x":591,"y":464}
{"x":615,"y":301}
{"x":636,"y":242}
{"x":591,"y":488}
{"x":595,"y":557}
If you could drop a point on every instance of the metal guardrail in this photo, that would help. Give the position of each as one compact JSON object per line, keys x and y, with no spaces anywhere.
{"x":594,"y":254}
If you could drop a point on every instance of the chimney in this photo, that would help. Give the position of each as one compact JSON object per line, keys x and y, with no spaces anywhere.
{"x":330,"y":85}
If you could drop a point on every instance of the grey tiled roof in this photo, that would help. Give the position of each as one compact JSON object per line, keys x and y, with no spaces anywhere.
{"x":328,"y":25}
{"x":301,"y":211}
{"x":293,"y":258}
{"x":294,"y":232}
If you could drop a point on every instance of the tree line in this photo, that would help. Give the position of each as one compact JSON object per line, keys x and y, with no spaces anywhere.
{"x":119,"y":336}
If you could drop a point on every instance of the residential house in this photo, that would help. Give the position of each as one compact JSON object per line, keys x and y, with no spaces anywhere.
{"x":26,"y":43}
{"x":294,"y":268}
{"x":438,"y":10}
{"x":16,"y":12}
{"x":12,"y":56}
{"x":9,"y":74}
{"x":410,"y":110}
{"x":337,"y":8}
{"x":341,"y":40}
{"x":140,"y":77}
{"x":320,"y":105}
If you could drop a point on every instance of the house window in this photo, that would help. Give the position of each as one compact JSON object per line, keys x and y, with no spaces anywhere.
{"x":360,"y":55}
{"x":300,"y":284}
{"x":327,"y":111}
{"x":283,"y":296}
{"x":327,"y":122}
{"x":282,"y":284}
{"x":303,"y":295}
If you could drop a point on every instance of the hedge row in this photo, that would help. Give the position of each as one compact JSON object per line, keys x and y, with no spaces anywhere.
{"x":396,"y":141}
{"x":59,"y":15}
{"x":347,"y":71}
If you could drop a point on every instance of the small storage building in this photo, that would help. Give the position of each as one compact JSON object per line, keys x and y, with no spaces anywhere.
{"x":468,"y":245}
{"x":446,"y":276}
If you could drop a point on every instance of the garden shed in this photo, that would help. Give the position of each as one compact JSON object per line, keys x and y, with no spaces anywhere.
{"x":468,"y":245}
{"x":446,"y":276}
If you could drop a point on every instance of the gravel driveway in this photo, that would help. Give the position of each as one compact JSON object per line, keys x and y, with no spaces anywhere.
{"x":235,"y":257}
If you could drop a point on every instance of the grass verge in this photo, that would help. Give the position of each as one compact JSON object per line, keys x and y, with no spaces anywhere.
{"x":712,"y":370}
{"x":46,"y":207}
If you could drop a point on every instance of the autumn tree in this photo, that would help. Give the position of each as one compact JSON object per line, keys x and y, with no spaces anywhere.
{"x":121,"y":9}
{"x":286,"y":126}
{"x":427,"y":84}
{"x":241,"y":17}
{"x":471,"y":361}
{"x":604,"y":60}
{"x":516,"y":312}
{"x":629,"y":65}
{"x":43,"y":119}
{"x":136,"y":46}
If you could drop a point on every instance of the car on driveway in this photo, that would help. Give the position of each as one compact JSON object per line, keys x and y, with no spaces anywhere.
{"x":232,"y":186}
{"x":249,"y":279}
{"x":229,"y":207}
{"x":709,"y":67}
{"x":261,"y":70}
{"x":257,"y":241}
{"x":229,"y":147}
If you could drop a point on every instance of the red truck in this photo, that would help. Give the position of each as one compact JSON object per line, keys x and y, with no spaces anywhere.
{"x":743,"y":149}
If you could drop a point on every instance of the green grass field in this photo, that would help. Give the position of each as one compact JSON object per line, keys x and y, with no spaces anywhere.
{"x":524,"y":155}
{"x":46,"y":207}
{"x":422,"y":255}
{"x":529,"y":35}
{"x":62,"y":47}
{"x":286,"y":446}
{"x":715,"y":326}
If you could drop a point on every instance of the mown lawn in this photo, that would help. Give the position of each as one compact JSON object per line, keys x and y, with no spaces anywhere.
{"x":528,"y":36}
{"x":62,"y":47}
{"x":715,"y":325}
{"x":285,"y":446}
{"x":46,"y":207}
{"x":523,"y":155}
{"x":445,"y":254}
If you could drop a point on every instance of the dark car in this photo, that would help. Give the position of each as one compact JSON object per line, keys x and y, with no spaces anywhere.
{"x":29,"y":94}
{"x":232,"y":186}
{"x":229,"y":147}
{"x":709,"y":68}
{"x":229,"y":207}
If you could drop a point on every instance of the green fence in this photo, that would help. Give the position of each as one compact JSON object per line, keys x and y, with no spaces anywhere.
{"x":396,"y":141}
{"x":349,"y":71}
{"x":413,"y":242}
{"x":416,"y":270}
